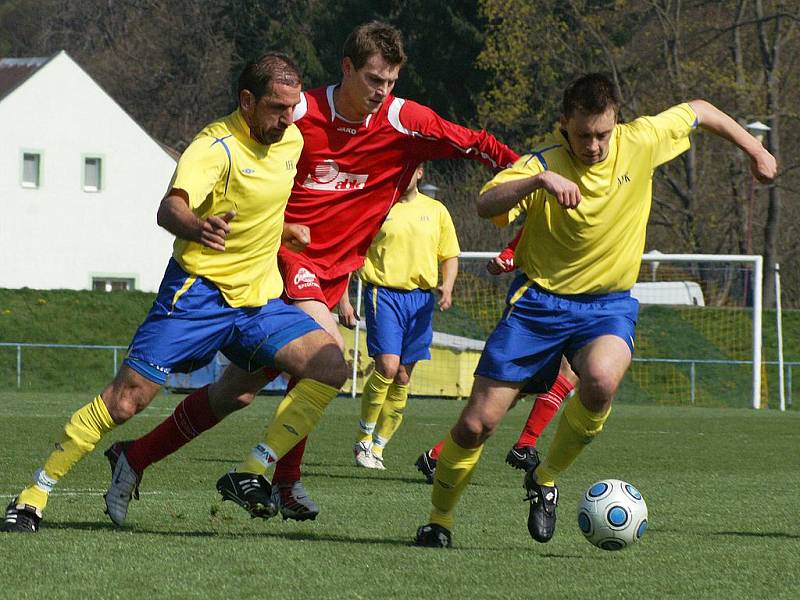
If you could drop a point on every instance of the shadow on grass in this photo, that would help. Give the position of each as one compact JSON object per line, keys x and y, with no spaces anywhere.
{"x":778,"y":535}
{"x":296,"y":536}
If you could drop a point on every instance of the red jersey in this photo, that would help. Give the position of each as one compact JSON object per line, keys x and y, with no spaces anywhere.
{"x":350,"y":174}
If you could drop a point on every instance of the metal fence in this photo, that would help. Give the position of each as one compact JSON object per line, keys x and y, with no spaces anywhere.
{"x":209,"y":373}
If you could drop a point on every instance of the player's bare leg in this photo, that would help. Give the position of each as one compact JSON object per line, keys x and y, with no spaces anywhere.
{"x":488,"y":404}
{"x":601,"y":365}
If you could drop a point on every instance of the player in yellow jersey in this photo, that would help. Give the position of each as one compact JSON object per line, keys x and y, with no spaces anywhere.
{"x":587,"y":190}
{"x":400,"y":274}
{"x":220,"y":292}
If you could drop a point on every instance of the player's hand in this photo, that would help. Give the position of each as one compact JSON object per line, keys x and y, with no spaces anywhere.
{"x":502,"y":263}
{"x":295,"y":237}
{"x":347,"y":314}
{"x":763,"y":166}
{"x":214,"y":230}
{"x":446,"y":299}
{"x":566,"y":192}
{"x":495,"y":266}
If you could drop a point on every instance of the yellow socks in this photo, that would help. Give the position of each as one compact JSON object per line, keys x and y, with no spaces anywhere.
{"x":81,"y":433}
{"x":295,"y":417}
{"x":372,"y":399}
{"x":453,"y":472}
{"x":390,"y":418}
{"x":577,"y":427}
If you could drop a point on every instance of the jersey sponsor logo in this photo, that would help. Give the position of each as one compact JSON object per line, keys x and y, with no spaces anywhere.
{"x":350,"y":130}
{"x":327,"y":176}
{"x":248,"y":171}
{"x":304,"y":279}
{"x":624,"y":178}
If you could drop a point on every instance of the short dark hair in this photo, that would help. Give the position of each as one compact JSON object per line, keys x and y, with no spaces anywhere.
{"x":590,"y":94}
{"x":371,"y":38}
{"x":273,"y":67}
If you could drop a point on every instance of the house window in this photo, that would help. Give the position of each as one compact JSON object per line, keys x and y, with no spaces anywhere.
{"x":31,"y":169}
{"x":92,"y":173}
{"x":112,"y":284}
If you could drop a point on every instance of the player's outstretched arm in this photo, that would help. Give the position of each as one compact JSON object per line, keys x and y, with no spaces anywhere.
{"x":175,"y":216}
{"x":503,"y":197}
{"x":762,"y":163}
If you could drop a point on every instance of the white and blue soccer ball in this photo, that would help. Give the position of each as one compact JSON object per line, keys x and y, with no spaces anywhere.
{"x":612,"y":514}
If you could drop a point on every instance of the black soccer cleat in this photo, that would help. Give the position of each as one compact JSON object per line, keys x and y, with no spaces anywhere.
{"x":427,"y":466}
{"x":433,"y":536}
{"x":252,"y":492}
{"x":524,"y":459}
{"x":542,"y":513}
{"x":21,"y":518}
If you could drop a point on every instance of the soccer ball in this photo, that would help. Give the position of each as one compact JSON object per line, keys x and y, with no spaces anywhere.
{"x":612,"y":514}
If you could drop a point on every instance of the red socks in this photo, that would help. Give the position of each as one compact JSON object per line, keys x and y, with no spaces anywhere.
{"x":544,"y":409}
{"x":190,"y":418}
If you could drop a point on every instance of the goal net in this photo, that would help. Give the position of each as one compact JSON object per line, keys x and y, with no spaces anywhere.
{"x":698,"y":336}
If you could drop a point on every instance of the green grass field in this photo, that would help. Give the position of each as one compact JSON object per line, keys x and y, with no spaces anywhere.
{"x":721,"y":487}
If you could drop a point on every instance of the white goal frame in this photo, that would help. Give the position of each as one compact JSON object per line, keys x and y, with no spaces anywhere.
{"x":757,"y":265}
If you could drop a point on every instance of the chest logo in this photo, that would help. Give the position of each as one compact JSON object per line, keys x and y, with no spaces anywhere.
{"x":327,"y":176}
{"x":622,"y":179}
{"x":248,"y":171}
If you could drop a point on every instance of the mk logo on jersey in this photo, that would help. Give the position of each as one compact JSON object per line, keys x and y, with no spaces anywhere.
{"x":341,"y":182}
{"x":289,"y":165}
{"x":425,"y":218}
{"x":623,"y":179}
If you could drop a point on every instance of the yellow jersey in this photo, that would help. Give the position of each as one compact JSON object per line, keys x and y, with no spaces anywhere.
{"x":224,"y":169}
{"x":597,"y":247}
{"x":415,"y":237}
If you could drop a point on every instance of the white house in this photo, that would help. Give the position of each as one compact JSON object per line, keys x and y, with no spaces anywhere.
{"x":80,"y":183}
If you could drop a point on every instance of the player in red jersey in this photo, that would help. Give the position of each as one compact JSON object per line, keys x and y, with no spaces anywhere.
{"x":361,"y":148}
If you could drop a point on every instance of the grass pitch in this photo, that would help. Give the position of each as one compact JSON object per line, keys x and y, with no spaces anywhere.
{"x":721,"y":487}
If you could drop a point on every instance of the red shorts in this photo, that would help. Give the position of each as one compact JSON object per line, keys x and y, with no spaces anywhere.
{"x":300,"y":281}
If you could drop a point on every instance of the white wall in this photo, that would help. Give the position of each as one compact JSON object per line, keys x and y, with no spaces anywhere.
{"x":59,"y":236}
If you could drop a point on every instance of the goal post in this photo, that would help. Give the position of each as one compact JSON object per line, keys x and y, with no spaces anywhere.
{"x":698,"y":337}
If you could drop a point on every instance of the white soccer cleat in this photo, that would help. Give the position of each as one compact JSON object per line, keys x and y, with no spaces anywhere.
{"x":124,"y":483}
{"x":377,"y":462}
{"x":363,"y":455}
{"x":294,"y":501}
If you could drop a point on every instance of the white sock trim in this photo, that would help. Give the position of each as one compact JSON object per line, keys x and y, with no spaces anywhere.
{"x":43,"y":481}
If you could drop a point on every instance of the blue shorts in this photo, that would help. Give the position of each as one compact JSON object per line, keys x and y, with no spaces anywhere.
{"x":399,"y":322}
{"x":190,"y":321}
{"x":538,"y":327}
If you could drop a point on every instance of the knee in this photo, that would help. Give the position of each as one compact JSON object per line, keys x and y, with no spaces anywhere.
{"x":124,"y":402}
{"x":472,"y":430}
{"x":389,"y":371}
{"x":600,"y":382}
{"x":329,"y":367}
{"x":228,"y":403}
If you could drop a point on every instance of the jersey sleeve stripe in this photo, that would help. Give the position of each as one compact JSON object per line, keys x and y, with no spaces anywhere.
{"x":301,"y":109}
{"x":228,"y":152}
{"x":539,"y":154}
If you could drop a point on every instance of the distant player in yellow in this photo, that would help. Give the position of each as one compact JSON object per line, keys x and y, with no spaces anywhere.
{"x":587,"y":189}
{"x":220,"y":292}
{"x":400,"y":274}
